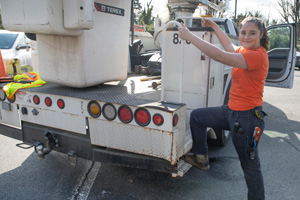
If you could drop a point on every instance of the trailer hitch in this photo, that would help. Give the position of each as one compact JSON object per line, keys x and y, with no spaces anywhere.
{"x":42,"y":149}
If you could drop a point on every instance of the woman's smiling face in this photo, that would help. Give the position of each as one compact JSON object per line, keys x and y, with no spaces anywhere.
{"x":250,"y":35}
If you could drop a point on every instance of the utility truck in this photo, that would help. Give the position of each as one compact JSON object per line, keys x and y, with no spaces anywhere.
{"x":92,"y":108}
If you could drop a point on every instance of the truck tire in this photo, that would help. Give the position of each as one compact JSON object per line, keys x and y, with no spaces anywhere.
{"x":222,"y":135}
{"x":222,"y":138}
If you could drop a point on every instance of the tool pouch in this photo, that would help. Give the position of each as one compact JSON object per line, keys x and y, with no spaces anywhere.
{"x":253,"y":139}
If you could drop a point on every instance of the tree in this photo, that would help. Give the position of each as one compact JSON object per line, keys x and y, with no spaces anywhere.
{"x":290,"y":12}
{"x":137,"y":9}
{"x":1,"y":27}
{"x":279,"y":37}
{"x":146,"y":18}
{"x":240,"y":17}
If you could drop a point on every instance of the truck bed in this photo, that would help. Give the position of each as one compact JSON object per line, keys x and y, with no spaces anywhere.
{"x":164,"y":139}
{"x":131,"y":91}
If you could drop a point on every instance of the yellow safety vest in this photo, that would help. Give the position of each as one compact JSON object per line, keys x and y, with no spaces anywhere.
{"x":32,"y":79}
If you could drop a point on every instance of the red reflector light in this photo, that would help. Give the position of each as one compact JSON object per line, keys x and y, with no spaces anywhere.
{"x":109,"y":111}
{"x":142,"y":117}
{"x":175,"y":120}
{"x":158,"y":119}
{"x":48,"y":101}
{"x":94,"y":109}
{"x":36,"y":99}
{"x":60,"y":103}
{"x":125,"y":114}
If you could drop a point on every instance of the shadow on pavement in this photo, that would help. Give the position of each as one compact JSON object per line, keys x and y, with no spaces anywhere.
{"x":48,"y":179}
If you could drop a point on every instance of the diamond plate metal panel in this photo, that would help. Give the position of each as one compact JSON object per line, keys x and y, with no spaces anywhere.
{"x":179,"y":136}
{"x":131,"y":138}
{"x":108,"y":93}
{"x":55,"y":119}
{"x":165,"y":142}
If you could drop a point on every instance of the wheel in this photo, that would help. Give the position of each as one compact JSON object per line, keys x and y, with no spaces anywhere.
{"x":222,"y":138}
{"x":222,"y":135}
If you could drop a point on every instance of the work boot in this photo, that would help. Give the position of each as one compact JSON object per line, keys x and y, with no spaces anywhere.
{"x":200,"y":161}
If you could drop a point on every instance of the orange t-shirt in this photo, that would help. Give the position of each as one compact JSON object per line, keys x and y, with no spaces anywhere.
{"x":247,"y":85}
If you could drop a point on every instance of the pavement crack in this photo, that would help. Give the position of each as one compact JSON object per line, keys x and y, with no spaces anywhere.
{"x":84,"y":186}
{"x":292,"y":145}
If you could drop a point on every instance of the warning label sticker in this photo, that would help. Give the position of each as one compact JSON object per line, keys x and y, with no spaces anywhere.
{"x":109,"y":9}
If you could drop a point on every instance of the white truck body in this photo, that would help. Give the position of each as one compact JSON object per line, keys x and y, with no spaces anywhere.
{"x":136,"y":126}
{"x":76,"y":55}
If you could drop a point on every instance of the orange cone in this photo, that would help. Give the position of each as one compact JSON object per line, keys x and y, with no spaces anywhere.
{"x":2,"y":67}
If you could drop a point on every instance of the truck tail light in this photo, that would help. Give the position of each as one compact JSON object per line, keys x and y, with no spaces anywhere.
{"x":94,"y":109}
{"x":109,"y":111}
{"x":2,"y":95}
{"x":48,"y":101}
{"x":125,"y":114}
{"x":158,"y":119}
{"x":60,"y":103}
{"x":175,"y":120}
{"x":142,"y":117}
{"x":36,"y":99}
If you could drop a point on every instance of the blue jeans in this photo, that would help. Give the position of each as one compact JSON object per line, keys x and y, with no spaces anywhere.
{"x":223,"y":118}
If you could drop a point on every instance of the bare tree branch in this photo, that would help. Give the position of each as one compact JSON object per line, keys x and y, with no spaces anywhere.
{"x":285,"y":9}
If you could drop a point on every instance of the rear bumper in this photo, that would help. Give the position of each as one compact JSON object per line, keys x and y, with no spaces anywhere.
{"x":11,"y":132}
{"x":81,"y":145}
{"x":133,"y":160}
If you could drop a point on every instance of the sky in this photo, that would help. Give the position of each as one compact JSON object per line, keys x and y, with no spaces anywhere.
{"x":266,"y":7}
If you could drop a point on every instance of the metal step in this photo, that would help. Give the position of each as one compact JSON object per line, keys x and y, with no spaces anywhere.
{"x":183,"y":167}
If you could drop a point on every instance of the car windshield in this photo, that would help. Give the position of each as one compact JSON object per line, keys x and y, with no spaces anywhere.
{"x":7,"y":40}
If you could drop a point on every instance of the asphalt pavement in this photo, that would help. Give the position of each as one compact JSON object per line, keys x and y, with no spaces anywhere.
{"x":23,"y":176}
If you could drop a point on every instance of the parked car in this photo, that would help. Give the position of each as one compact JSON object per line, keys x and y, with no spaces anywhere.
{"x":298,"y":59}
{"x":15,"y":45}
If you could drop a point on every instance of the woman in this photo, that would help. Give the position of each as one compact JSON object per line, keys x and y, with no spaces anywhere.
{"x":244,"y":110}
